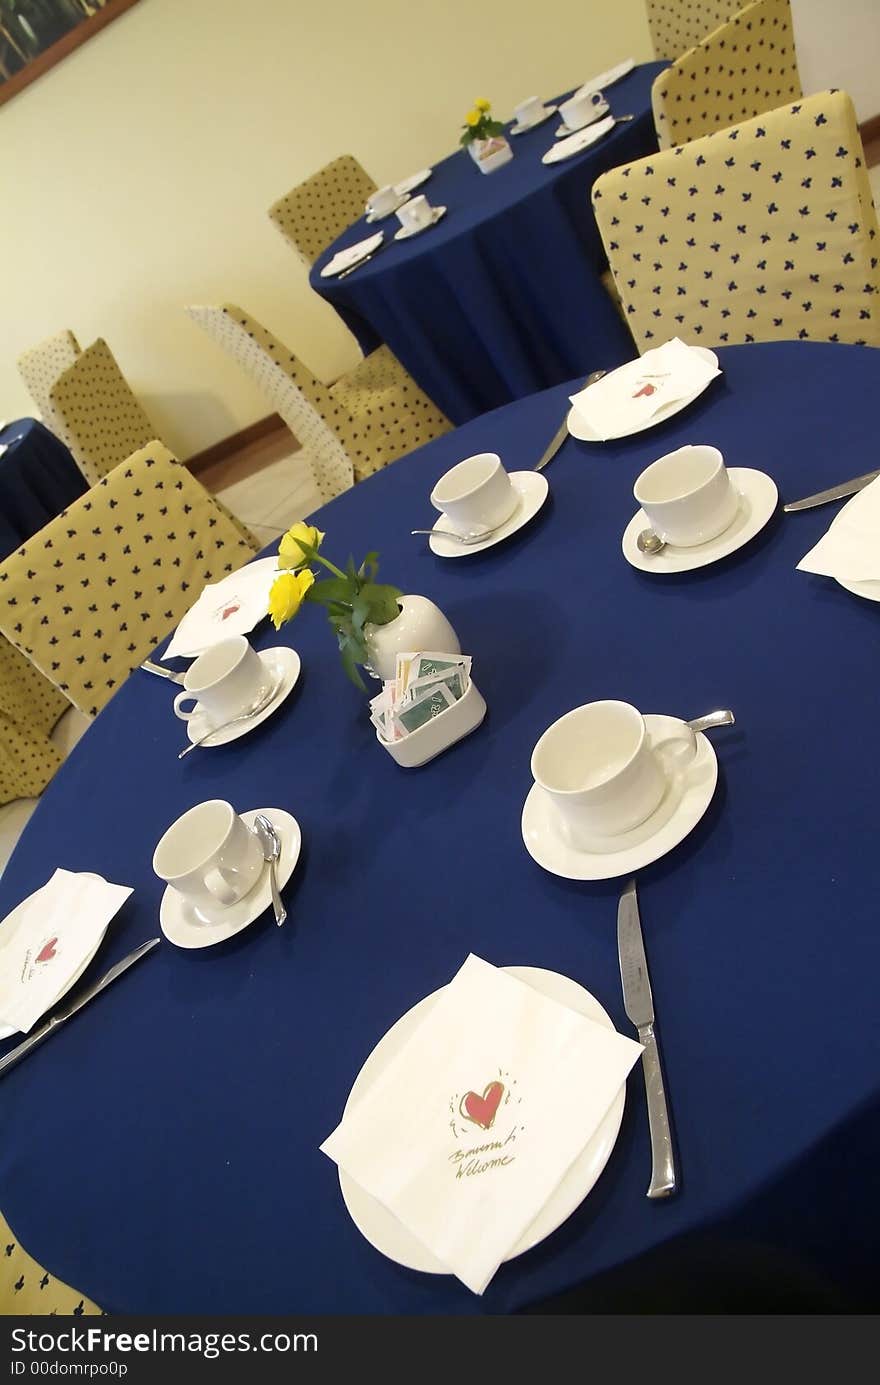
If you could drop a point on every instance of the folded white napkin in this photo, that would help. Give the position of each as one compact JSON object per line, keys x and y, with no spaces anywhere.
{"x":629,"y":397}
{"x":850,"y":549}
{"x":232,"y":606}
{"x":343,"y":258}
{"x":47,"y":941}
{"x":472,"y":1125}
{"x":607,"y":78}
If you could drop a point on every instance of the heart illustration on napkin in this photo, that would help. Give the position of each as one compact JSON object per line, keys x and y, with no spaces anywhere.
{"x":230,"y":610}
{"x":482,"y":1110}
{"x":646,"y":390}
{"x":47,"y":952}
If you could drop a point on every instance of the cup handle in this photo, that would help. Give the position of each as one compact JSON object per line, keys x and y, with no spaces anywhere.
{"x":219,"y":886}
{"x":677,"y":749}
{"x":182,"y":697}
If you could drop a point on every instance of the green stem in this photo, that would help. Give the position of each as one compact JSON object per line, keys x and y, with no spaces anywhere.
{"x":318,"y":558}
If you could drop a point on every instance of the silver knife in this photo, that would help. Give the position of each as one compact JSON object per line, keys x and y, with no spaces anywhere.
{"x":161,"y":672}
{"x":835,"y":493}
{"x":639,"y":1005}
{"x":562,"y":432}
{"x":58,"y":1019}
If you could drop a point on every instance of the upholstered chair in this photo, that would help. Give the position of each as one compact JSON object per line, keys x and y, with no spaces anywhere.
{"x":316,"y":211}
{"x":762,"y":232}
{"x":26,"y":1290}
{"x":93,"y":593}
{"x":29,"y":708}
{"x":102,"y":421}
{"x":676,"y":25}
{"x":41,"y":366}
{"x":746,"y":66}
{"x":348,"y":430}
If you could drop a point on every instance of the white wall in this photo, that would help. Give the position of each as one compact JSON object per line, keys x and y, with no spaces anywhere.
{"x":838,"y":45}
{"x":137,"y":173}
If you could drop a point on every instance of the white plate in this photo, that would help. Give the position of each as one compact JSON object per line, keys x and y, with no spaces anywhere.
{"x":531,"y":487}
{"x":415,"y":180}
{"x":344,"y":259}
{"x":517,"y":129}
{"x":183,"y":926}
{"x":232,"y":606}
{"x":390,"y":1236}
{"x":758,"y":500}
{"x":9,"y":926}
{"x":372,"y":217}
{"x":869,"y":588}
{"x":607,"y":78}
{"x":577,"y":143}
{"x":579,"y":428}
{"x":405,"y":232}
{"x":282,"y":667}
{"x":687,"y":797}
{"x":598,"y":114}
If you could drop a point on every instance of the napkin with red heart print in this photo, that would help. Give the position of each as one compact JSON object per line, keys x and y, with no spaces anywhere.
{"x":474,"y":1122}
{"x":641,"y":391}
{"x":48,"y":940}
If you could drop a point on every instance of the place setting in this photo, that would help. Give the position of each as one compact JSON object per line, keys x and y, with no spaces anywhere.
{"x":344,"y":261}
{"x":233,"y":689}
{"x":415,"y":216}
{"x":529,"y":114}
{"x":385,"y":201}
{"x":586,"y":118}
{"x":642,"y":392}
{"x":481,"y":504}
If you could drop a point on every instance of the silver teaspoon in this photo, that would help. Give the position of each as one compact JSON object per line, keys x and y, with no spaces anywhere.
{"x":270,"y":844}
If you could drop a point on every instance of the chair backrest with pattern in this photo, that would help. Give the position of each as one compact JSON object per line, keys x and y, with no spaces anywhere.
{"x":307,"y":407}
{"x":102,"y":420}
{"x":92,"y":594}
{"x":40,"y":367}
{"x":745,"y":67}
{"x":318,"y":210}
{"x":763,"y":232}
{"x":676,"y":25}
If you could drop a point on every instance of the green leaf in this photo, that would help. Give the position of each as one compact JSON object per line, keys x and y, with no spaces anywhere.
{"x":350,"y":569}
{"x":351,"y":669}
{"x":369,"y":567}
{"x":360,"y":610}
{"x":337,"y":589}
{"x":382,"y":600}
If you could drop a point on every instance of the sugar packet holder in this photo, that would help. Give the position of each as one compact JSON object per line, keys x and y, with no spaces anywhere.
{"x":437,"y":735}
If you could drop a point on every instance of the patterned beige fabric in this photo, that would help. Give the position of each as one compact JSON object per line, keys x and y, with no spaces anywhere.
{"x":29,"y":708}
{"x":102,"y":420}
{"x":763,"y":232}
{"x":41,"y":366}
{"x":90,"y":595}
{"x":315,"y":212}
{"x":27,"y":1290}
{"x":349,"y":429}
{"x":743,"y":68}
{"x":676,"y":25}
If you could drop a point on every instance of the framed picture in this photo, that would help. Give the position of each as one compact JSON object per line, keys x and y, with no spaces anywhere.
{"x":37,"y":34}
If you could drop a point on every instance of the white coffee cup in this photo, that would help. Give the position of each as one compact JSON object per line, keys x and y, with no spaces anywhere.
{"x":475,"y":494}
{"x":383,"y":200}
{"x":209,"y":856}
{"x":582,"y":108}
{"x":415,"y":214}
{"x":687,"y":496}
{"x":225,"y":681}
{"x":529,"y":111}
{"x":604,"y":772}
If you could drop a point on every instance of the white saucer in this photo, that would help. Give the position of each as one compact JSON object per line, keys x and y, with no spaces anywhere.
{"x":182,"y":925}
{"x":532,"y":488}
{"x":415,"y":180}
{"x":390,"y":1236}
{"x":579,"y":141}
{"x":579,"y":428}
{"x":9,"y":925}
{"x":565,"y":130}
{"x":687,"y":797}
{"x":406,"y":231}
{"x":282,"y":666}
{"x":868,"y":587}
{"x":517,"y":129}
{"x":372,"y":217}
{"x":758,"y":499}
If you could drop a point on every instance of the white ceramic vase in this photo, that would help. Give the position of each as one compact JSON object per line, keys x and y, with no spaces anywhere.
{"x":420,"y":626}
{"x":489,"y":154}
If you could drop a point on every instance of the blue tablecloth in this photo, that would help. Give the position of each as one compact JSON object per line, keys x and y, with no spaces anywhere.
{"x":38,"y":479}
{"x":161,"y":1152}
{"x":502,"y":297}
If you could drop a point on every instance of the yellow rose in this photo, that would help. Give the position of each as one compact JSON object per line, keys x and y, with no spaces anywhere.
{"x":473,"y":118}
{"x":286,"y":595}
{"x":290,"y":554}
{"x":482,"y":104}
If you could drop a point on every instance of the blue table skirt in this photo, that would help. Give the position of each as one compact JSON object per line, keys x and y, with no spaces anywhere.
{"x":161,"y":1152}
{"x":502,"y":297}
{"x":38,"y":479}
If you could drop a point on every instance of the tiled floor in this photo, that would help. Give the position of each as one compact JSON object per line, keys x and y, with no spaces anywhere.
{"x":269,"y":486}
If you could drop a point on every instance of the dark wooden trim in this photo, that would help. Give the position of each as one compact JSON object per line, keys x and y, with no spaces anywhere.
{"x":226,"y":447}
{"x":870,"y":129}
{"x":35,"y":67}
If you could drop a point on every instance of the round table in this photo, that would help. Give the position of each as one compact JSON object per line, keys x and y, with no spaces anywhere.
{"x":161,"y":1152}
{"x":502,"y":297}
{"x":38,"y":479}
